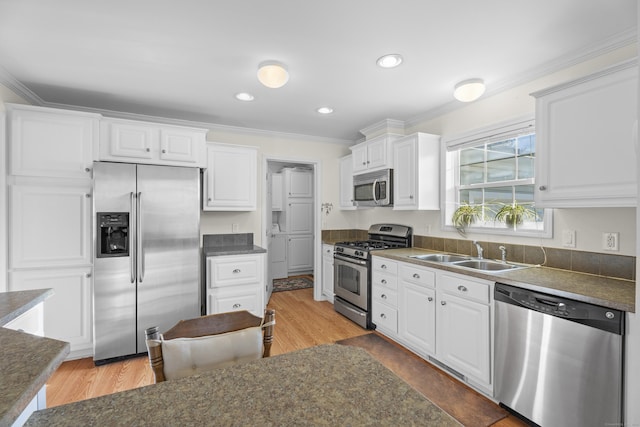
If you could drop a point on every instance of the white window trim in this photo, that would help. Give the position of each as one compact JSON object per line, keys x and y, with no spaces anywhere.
{"x":497,"y":132}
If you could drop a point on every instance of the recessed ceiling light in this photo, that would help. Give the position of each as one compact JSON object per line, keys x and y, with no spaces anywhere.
{"x":389,"y":61}
{"x":244,"y":96}
{"x":325,"y":110}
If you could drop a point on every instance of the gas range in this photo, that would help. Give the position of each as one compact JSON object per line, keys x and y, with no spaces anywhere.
{"x":381,"y":236}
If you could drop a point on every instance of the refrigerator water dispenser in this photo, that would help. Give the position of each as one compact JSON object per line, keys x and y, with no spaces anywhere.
{"x":113,"y":234}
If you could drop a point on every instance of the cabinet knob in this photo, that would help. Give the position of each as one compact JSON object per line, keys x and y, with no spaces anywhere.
{"x":164,"y":151}
{"x":416,"y":276}
{"x":383,"y":281}
{"x":443,"y":303}
{"x":383,"y":296}
{"x":148,"y":149}
{"x":364,"y":163}
{"x":236,"y":271}
{"x":411,"y":197}
{"x":383,"y":266}
{"x":209,"y":199}
{"x":429,"y":299}
{"x":237,"y":305}
{"x":87,"y":169}
{"x":542,"y":187}
{"x":88,"y":196}
{"x":88,"y":275}
{"x":382,"y":315}
{"x":368,"y":162}
{"x":462,"y":288}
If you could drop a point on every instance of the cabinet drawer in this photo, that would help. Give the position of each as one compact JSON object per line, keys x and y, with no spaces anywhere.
{"x":235,"y":299}
{"x":417,"y":275}
{"x":384,"y":279}
{"x":384,"y":316}
{"x":385,"y":295}
{"x":384,"y":264}
{"x":464,"y":288}
{"x":223,"y":271}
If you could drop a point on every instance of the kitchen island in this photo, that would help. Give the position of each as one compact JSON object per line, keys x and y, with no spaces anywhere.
{"x":27,"y":360}
{"x":323,"y":385}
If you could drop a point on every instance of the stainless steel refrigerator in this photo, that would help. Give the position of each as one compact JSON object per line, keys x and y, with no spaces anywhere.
{"x":146,"y":262}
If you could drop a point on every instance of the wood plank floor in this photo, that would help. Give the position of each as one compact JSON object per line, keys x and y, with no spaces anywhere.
{"x":301,"y":322}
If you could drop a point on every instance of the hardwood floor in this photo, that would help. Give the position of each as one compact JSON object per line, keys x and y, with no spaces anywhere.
{"x":301,"y":322}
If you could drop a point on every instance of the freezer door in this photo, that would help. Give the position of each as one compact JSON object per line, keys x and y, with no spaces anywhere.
{"x":114,"y":295}
{"x":168,"y":206}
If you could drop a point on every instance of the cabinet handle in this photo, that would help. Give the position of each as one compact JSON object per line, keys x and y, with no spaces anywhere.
{"x":237,"y":305}
{"x":462,"y":288}
{"x":382,"y":315}
{"x":383,"y":281}
{"x":236,"y":271}
{"x":429,"y":299}
{"x":416,"y":276}
{"x":443,"y":303}
{"x":383,"y":296}
{"x":542,"y":187}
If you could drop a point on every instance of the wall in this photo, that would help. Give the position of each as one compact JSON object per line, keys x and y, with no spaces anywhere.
{"x":588,"y":223}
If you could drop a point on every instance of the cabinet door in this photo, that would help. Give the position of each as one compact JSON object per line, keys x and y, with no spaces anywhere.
{"x":234,"y":270}
{"x":463,"y":336}
{"x":44,"y":142}
{"x":417,"y":317}
{"x":49,"y":225}
{"x":131,"y":140}
{"x":300,"y":253}
{"x":67,"y":313}
{"x":278,"y":256}
{"x":300,"y":217}
{"x":236,"y":298}
{"x":327,"y":271}
{"x":585,"y":154}
{"x":377,"y":153}
{"x":346,"y":184}
{"x":404,"y":184}
{"x":31,"y":322}
{"x":299,"y":183}
{"x":231,"y":178}
{"x":180,"y":145}
{"x":277,"y":190}
{"x":359,"y":158}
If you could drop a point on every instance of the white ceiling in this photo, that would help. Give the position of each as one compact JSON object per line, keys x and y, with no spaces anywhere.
{"x":187,"y":59}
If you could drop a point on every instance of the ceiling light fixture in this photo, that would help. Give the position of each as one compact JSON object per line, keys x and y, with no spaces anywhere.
{"x":391,"y":60}
{"x":244,"y":96}
{"x":469,"y":90}
{"x":273,"y":74}
{"x":325,"y":110}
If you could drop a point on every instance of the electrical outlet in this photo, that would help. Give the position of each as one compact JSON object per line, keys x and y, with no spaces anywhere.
{"x":428,"y":228}
{"x":610,"y":241}
{"x":569,"y":238}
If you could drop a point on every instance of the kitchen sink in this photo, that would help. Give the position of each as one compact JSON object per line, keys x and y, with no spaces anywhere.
{"x":487,"y":265}
{"x":440,"y":258}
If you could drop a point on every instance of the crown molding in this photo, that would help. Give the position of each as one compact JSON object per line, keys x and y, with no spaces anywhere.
{"x":618,"y":41}
{"x":384,"y":126}
{"x":18,"y":88}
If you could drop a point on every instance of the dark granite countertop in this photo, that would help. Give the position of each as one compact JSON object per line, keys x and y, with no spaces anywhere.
{"x":27,"y":360}
{"x":229,"y":244}
{"x":604,"y":291}
{"x":305,"y":387}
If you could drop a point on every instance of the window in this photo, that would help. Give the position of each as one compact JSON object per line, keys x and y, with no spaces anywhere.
{"x":493,"y":169}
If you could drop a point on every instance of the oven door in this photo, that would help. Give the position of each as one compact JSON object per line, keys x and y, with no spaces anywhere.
{"x":350,"y":281}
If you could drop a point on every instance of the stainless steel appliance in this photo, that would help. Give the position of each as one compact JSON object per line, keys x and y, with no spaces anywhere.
{"x":146,"y":263}
{"x":352,"y":270}
{"x":373,"y":188}
{"x":558,"y":361}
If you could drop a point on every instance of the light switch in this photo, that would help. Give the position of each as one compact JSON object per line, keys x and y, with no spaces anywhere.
{"x":569,"y":238}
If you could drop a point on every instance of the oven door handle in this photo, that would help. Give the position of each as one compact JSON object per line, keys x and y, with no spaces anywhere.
{"x":354,"y":311}
{"x":349,"y":260}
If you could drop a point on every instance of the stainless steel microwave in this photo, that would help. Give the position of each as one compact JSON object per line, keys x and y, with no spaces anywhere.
{"x":373,"y":188}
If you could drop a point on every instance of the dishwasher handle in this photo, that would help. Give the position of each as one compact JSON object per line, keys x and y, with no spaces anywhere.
{"x":606,"y":319}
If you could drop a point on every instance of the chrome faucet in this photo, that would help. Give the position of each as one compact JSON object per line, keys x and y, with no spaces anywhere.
{"x":479,"y":248}
{"x":504,"y":253}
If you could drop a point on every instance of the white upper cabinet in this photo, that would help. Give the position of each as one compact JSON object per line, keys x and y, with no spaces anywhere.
{"x":416,"y":160}
{"x":585,"y":154}
{"x":230,"y":181}
{"x":47,"y":142}
{"x":298,"y":183}
{"x":346,"y":183}
{"x":374,"y":154}
{"x":152,"y":143}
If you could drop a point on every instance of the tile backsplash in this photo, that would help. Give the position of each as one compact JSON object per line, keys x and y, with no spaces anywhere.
{"x":609,"y":265}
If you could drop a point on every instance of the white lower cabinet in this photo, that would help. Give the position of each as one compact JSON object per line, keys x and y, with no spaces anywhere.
{"x":327,"y":272}
{"x":300,"y":253}
{"x":235,"y":282}
{"x":441,"y":316}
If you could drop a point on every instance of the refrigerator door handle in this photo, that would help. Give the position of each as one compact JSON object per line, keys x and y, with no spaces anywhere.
{"x":140,"y":249}
{"x":132,"y":233}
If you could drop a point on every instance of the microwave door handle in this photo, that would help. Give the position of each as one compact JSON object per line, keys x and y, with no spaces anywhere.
{"x":373,"y":190}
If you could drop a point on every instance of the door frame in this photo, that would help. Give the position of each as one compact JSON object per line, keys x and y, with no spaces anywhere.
{"x":316,"y":165}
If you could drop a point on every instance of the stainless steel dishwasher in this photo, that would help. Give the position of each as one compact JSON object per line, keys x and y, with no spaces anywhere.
{"x":558,"y":362}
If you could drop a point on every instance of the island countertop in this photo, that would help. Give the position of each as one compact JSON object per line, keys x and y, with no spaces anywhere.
{"x":306,"y":387}
{"x":27,"y":360}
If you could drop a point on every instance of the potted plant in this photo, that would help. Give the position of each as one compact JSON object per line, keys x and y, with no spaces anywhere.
{"x":465,"y":215}
{"x":514,"y":214}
